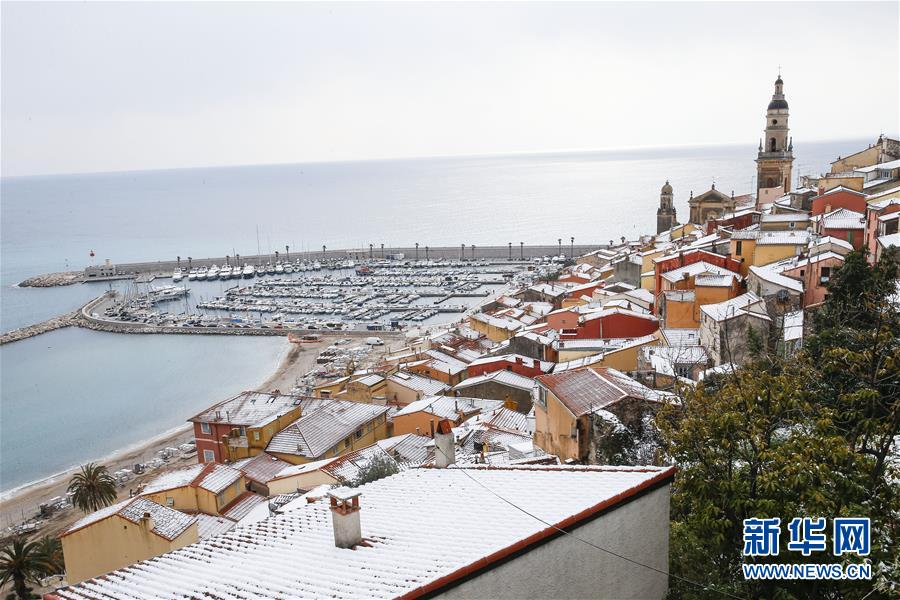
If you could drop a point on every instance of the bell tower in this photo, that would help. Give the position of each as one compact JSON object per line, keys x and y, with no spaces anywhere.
{"x":775,"y":158}
{"x":665,"y":214}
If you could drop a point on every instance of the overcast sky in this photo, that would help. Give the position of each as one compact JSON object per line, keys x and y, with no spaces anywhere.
{"x":104,"y":87}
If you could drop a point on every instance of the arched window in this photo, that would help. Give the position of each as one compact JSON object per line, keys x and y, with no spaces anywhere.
{"x":772,"y":145}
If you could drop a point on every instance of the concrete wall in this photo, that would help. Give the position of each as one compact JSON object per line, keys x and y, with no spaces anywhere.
{"x":567,"y":568}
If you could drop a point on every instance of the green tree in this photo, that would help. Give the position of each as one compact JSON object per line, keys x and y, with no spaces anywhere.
{"x":93,"y":488}
{"x":49,"y":548}
{"x":21,"y":563}
{"x":378,"y":467}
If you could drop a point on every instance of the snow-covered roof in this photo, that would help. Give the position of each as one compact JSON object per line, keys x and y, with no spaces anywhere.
{"x":773,"y":276}
{"x":692,"y":270}
{"x":242,"y":505}
{"x":784,"y":218}
{"x":168,"y":523}
{"x":503,"y":377}
{"x":419,"y":383}
{"x":174,"y":479}
{"x":886,"y":241}
{"x":664,"y":359}
{"x":370,"y":380}
{"x":793,"y":326}
{"x":409,"y":449}
{"x":261,"y":467}
{"x":210,"y":525}
{"x":843,"y":218}
{"x":615,"y":310}
{"x":583,"y":390}
{"x":709,"y":280}
{"x":745,"y":304}
{"x":250,"y":409}
{"x":448,"y":407}
{"x":514,"y":358}
{"x":602,"y":344}
{"x":402,"y":518}
{"x":322,"y":425}
{"x":681,"y":336}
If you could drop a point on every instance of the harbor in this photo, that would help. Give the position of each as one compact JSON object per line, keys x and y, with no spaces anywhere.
{"x":239,"y":266}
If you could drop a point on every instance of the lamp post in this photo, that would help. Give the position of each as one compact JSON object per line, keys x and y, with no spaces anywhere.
{"x":560,"y":246}
{"x":521,"y":250}
{"x":417,"y":251}
{"x":572,"y":247}
{"x":473,"y":251}
{"x":509,"y":256}
{"x":287,"y":252}
{"x":426,"y":253}
{"x":178,"y":260}
{"x":323,"y":251}
{"x":370,"y":250}
{"x":382,"y":251}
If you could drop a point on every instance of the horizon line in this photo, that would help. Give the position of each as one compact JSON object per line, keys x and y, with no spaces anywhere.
{"x":399,"y":158}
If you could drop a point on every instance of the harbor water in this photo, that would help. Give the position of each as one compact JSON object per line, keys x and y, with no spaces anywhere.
{"x":73,"y":395}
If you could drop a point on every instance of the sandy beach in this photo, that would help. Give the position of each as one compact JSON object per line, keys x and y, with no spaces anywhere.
{"x":20,"y":504}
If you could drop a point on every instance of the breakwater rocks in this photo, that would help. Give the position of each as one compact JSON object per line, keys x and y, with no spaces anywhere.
{"x":54,"y":279}
{"x":39,"y":328}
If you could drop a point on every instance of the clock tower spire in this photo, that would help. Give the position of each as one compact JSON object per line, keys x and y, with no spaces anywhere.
{"x":775,"y":158}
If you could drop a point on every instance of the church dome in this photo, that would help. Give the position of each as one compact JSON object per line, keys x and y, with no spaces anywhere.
{"x":667,"y":189}
{"x":775,"y":104}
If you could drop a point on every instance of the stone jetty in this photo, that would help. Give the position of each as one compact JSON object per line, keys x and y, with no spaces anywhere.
{"x":54,"y":279}
{"x":22,"y":333}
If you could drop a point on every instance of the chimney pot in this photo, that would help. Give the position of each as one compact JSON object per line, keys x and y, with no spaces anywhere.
{"x":444,"y":444}
{"x":345,"y":516}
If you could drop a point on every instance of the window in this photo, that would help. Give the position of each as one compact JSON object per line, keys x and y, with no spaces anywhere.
{"x":204,"y":427}
{"x":542,"y":396}
{"x":209,"y":456}
{"x":346,"y":443}
{"x":739,"y":248}
{"x":792,"y":225}
{"x":359,"y":433}
{"x":256,"y":436}
{"x":772,"y":145}
{"x":850,"y":237}
{"x":243,"y":431}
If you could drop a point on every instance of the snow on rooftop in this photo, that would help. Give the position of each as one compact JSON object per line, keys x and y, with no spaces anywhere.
{"x":168,"y":523}
{"x":419,"y":383}
{"x":508,"y":378}
{"x":216,"y":478}
{"x":745,"y":304}
{"x":248,"y":409}
{"x":210,"y":525}
{"x":294,"y":555}
{"x":447,"y":407}
{"x":324,"y":423}
{"x":174,"y":479}
{"x":585,"y":389}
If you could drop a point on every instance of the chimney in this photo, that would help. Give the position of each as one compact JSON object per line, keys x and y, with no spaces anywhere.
{"x":444,"y":445}
{"x":147,"y":521}
{"x":345,"y":516}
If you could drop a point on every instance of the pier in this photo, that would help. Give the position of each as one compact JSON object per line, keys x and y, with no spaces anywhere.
{"x":22,"y":333}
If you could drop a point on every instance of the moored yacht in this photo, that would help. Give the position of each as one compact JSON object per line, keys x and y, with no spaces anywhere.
{"x":279,"y":269}
{"x":177,"y":275}
{"x":249,"y":272}
{"x":213,"y":273}
{"x":225,"y":273}
{"x":192,"y":275}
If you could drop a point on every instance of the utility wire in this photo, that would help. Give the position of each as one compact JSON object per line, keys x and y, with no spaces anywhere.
{"x":464,"y":471}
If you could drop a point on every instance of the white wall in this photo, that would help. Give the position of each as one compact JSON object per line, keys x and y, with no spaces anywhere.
{"x":567,"y":568}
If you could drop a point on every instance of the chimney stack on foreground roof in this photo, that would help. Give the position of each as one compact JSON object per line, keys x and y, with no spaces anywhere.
{"x":444,"y":445}
{"x":345,"y":517}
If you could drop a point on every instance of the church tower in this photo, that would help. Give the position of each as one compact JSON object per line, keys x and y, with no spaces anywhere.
{"x":665,"y":214}
{"x":776,"y":150}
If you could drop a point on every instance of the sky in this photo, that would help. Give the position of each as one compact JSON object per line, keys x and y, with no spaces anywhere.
{"x":94,"y":87}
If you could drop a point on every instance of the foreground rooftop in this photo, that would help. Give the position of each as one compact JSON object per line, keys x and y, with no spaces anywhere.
{"x":414,"y":539}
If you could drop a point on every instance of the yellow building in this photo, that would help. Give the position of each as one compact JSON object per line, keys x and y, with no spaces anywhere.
{"x":122,"y":534}
{"x":371,"y":388}
{"x":566,"y":402}
{"x":405,"y":388}
{"x":495,"y":329}
{"x":758,"y":248}
{"x":621,"y":354}
{"x":329,"y":428}
{"x":207,"y":487}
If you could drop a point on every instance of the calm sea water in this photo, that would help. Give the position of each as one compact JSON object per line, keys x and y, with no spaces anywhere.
{"x":89,"y":393}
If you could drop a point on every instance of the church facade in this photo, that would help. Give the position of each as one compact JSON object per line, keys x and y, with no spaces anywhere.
{"x":710,"y":205}
{"x":775,"y":159}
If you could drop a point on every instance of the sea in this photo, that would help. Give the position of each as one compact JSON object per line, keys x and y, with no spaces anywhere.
{"x":75,"y":395}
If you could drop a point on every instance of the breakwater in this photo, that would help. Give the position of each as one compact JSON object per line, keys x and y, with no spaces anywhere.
{"x":22,"y":333}
{"x":468,"y":252}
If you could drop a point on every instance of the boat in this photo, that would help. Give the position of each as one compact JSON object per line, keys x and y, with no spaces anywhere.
{"x":363,"y":270}
{"x":279,"y":269}
{"x":213,"y":273}
{"x":270,"y":269}
{"x":225,"y":273}
{"x":288,"y":268}
{"x":192,"y":275}
{"x":249,"y":271}
{"x":177,"y":275}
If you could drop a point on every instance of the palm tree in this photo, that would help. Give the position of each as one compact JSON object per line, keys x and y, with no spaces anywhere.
{"x":20,"y":563}
{"x":50,"y":550}
{"x":93,"y":488}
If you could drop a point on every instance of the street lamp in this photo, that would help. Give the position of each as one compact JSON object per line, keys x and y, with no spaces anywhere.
{"x":287,"y":252}
{"x":572,"y":247}
{"x":521,"y":250}
{"x":473,"y":251}
{"x":426,"y":253}
{"x":417,"y":251}
{"x":560,"y":246}
{"x":323,"y":251}
{"x":462,"y":252}
{"x":370,"y":250}
{"x":382,"y":251}
{"x":509,"y":256}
